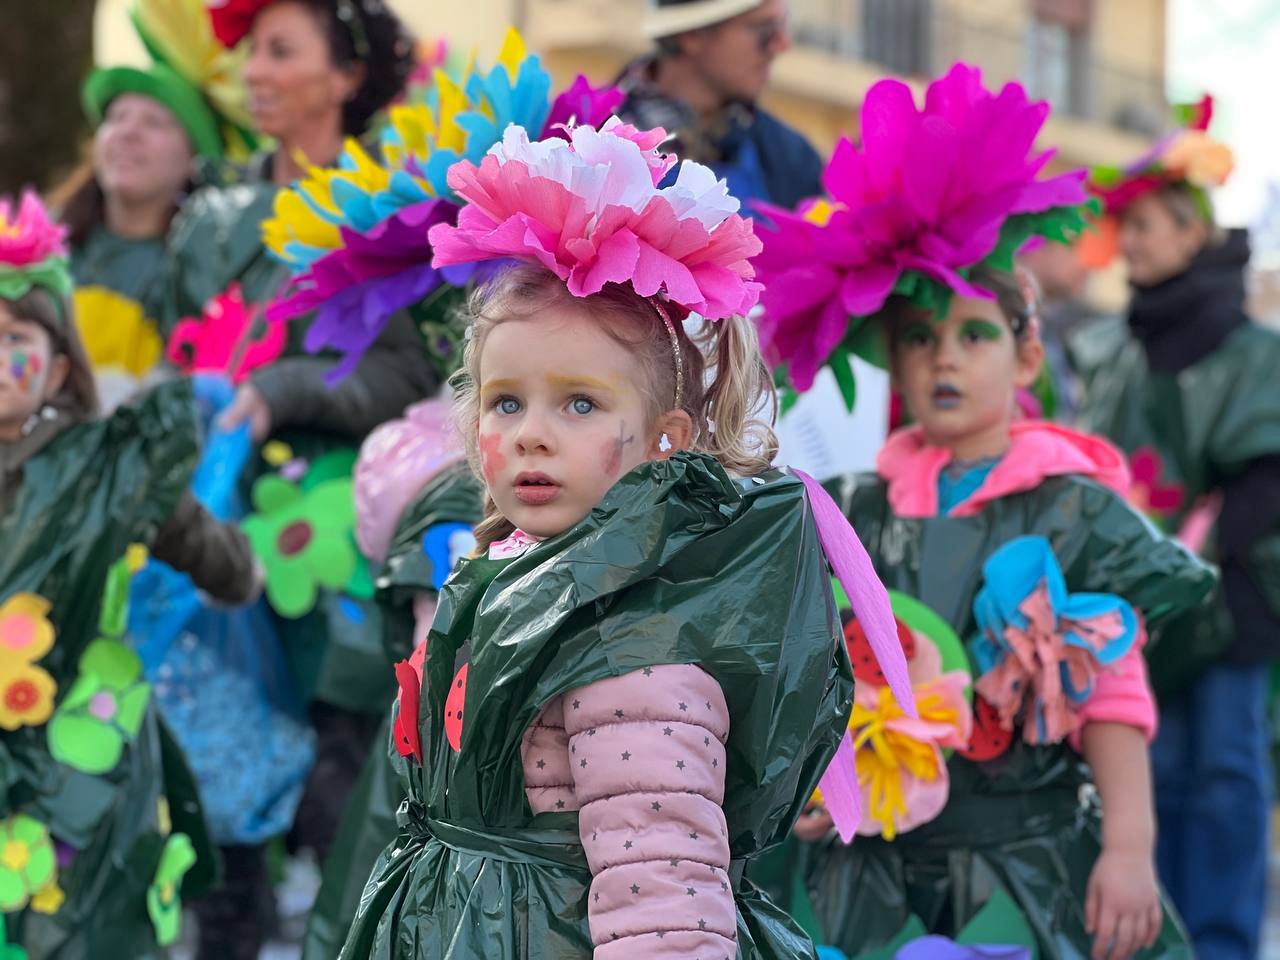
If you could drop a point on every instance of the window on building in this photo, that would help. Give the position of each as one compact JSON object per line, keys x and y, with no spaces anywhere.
{"x":899,"y":34}
{"x":1058,"y":56}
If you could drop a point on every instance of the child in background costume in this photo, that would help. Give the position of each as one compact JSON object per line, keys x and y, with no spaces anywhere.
{"x":612,"y":717}
{"x":1186,"y":386}
{"x":99,"y":812}
{"x":1011,"y":534}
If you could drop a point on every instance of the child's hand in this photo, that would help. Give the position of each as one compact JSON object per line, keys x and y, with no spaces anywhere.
{"x":814,"y":824}
{"x":248,"y":405}
{"x":1122,"y":904}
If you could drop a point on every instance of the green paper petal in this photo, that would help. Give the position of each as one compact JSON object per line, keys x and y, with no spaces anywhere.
{"x":332,"y":560}
{"x":27,"y":829}
{"x":262,"y":534}
{"x":332,"y":506}
{"x":113,"y":663}
{"x":115,"y":600}
{"x":131,"y":708}
{"x":84,"y":743}
{"x":166,"y":918}
{"x":166,"y":915}
{"x":80,"y":694}
{"x":291,"y":589}
{"x":178,"y":857}
{"x":42,"y":867}
{"x":13,"y":891}
{"x":335,"y":465}
{"x":273,"y":493}
{"x":361,"y":583}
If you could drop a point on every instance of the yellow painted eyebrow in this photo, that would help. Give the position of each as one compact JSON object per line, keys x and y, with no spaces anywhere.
{"x":559,"y":381}
{"x":494,"y":386}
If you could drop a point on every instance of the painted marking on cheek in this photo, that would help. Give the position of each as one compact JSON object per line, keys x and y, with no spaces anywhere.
{"x":612,"y":452}
{"x":492,"y":460}
{"x":24,"y":368}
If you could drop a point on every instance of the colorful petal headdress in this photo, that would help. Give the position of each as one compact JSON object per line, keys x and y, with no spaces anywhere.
{"x":33,"y":250}
{"x":931,"y":194}
{"x":357,"y":237}
{"x":200,"y":80}
{"x":1187,"y":155}
{"x":232,"y":21}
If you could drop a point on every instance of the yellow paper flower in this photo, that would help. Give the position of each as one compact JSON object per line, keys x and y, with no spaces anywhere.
{"x":49,"y":900}
{"x":26,"y":634}
{"x":1200,"y":159}
{"x":26,"y":696}
{"x":116,"y":333}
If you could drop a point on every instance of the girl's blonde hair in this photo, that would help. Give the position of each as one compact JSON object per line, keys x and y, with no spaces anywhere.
{"x":726,"y":389}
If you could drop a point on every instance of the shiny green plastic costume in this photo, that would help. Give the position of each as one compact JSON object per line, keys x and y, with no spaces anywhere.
{"x":1185,"y":434}
{"x":84,"y":496}
{"x":369,"y":824}
{"x":1026,"y":823}
{"x":335,"y":650}
{"x":678,"y":564}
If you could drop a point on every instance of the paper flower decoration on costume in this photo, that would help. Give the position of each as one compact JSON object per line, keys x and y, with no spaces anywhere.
{"x":901,"y":766}
{"x":164,"y":905}
{"x":116,"y":333}
{"x":589,"y":209}
{"x":941,"y":948}
{"x":1151,"y":493}
{"x":26,"y":635}
{"x":1187,"y":156}
{"x":357,"y":237}
{"x":931,"y":194}
{"x":103,"y":711}
{"x":223,"y":339}
{"x":233,"y":19}
{"x":33,"y":251}
{"x":304,"y":540}
{"x":1039,"y":648}
{"x":28,"y":865}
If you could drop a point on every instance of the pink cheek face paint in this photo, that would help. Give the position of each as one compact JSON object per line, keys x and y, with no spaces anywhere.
{"x":24,"y":368}
{"x":492,"y":460}
{"x":611,"y":452}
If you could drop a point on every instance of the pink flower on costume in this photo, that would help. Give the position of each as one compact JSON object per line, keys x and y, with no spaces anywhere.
{"x":900,"y":764}
{"x":1150,"y":493}
{"x":29,"y":236}
{"x":220,"y":341}
{"x":928,"y":195}
{"x":589,"y":211}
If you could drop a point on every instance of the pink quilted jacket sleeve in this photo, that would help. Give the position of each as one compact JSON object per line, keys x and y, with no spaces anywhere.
{"x":646,"y":752}
{"x":1121,"y":694}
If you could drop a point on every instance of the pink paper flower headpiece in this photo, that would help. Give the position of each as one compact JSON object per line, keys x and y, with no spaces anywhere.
{"x":33,"y":249}
{"x":590,"y":210}
{"x":931,"y":194}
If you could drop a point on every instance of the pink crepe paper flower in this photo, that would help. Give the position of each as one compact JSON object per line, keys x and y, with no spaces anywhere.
{"x":589,"y":210}
{"x":929,"y":191}
{"x":29,"y":236}
{"x":1150,"y":493}
{"x":220,"y":341}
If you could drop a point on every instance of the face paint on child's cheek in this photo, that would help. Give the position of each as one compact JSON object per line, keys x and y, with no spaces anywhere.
{"x":492,"y":459}
{"x":24,"y":368}
{"x":612,"y":451}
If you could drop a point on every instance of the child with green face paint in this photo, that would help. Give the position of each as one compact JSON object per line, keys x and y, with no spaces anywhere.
{"x":97,"y":813}
{"x":1018,"y":810}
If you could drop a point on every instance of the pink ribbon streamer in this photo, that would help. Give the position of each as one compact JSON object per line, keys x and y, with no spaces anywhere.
{"x":870,"y":602}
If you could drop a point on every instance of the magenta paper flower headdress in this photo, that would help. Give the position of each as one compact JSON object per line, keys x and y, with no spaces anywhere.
{"x":931,"y":194}
{"x":33,"y":250}
{"x":590,"y":210}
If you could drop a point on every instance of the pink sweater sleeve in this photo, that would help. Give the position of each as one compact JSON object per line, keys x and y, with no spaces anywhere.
{"x":1121,"y":694}
{"x":647,"y":755}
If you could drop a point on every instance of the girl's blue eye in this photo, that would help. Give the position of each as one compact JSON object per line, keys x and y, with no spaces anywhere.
{"x":508,"y":405}
{"x":583,"y":405}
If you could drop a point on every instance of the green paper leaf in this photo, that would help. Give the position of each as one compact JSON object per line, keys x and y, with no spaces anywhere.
{"x":332,"y":561}
{"x":13,"y":890}
{"x":272,"y":494}
{"x":1000,"y":921}
{"x":115,"y":600}
{"x":131,"y":709}
{"x":291,"y":588}
{"x":164,"y":905}
{"x":336,"y":465}
{"x":787,"y":398}
{"x":84,"y":742}
{"x":114,"y":664}
{"x":361,"y":583}
{"x":845,"y":380}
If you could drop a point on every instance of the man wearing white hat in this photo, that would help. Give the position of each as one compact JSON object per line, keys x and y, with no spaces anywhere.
{"x":711,"y":65}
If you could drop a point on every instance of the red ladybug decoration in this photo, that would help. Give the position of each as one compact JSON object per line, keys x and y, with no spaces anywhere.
{"x":989,"y":739}
{"x":453,"y":705}
{"x":865,"y":666}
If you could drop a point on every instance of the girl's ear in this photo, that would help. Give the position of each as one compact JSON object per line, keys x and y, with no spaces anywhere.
{"x":672,"y":433}
{"x":1030,"y":360}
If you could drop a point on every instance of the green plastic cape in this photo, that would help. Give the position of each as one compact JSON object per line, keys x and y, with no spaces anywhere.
{"x":95,"y":489}
{"x":1022,"y":823}
{"x":1202,"y":426}
{"x":678,"y":564}
{"x":369,"y":823}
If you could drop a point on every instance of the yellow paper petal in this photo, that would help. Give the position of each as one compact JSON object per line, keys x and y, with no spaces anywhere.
{"x":135,"y":557}
{"x":49,"y":900}
{"x":277,"y":453}
{"x":26,"y":634}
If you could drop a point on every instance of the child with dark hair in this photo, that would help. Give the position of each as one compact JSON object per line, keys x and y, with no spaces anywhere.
{"x":100,"y":817}
{"x":1019,"y":803}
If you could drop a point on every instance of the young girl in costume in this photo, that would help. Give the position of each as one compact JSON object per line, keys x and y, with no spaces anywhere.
{"x":634,"y":682}
{"x":1186,"y":386}
{"x":100,"y":818}
{"x":1017,"y":809}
